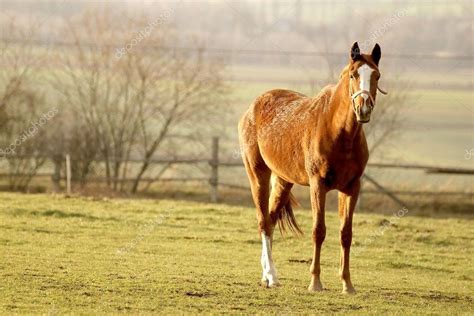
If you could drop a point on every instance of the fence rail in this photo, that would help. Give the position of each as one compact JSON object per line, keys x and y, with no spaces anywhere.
{"x":216,"y":163}
{"x":232,"y":51}
{"x":379,"y":188}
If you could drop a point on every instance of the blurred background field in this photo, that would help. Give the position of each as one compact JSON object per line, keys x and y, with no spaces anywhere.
{"x":86,"y":59}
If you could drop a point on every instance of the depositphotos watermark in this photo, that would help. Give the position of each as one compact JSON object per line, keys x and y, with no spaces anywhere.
{"x":469,"y":154}
{"x":383,"y":28}
{"x":29,"y":132}
{"x":144,"y":33}
{"x":385,"y":224}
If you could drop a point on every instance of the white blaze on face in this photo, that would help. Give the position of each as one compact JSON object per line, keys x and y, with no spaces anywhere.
{"x":365,"y":73}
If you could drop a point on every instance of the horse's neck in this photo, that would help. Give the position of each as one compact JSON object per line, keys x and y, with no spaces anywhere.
{"x":341,"y":117}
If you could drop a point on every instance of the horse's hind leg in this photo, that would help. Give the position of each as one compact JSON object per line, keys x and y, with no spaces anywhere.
{"x":259,"y":178}
{"x":279,"y":199}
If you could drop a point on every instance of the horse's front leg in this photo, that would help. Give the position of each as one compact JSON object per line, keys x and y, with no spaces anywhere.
{"x":318,"y":199}
{"x":347,"y":203}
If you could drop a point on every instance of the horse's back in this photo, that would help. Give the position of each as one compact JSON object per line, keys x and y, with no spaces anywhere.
{"x":273,"y":128}
{"x":274,"y":104}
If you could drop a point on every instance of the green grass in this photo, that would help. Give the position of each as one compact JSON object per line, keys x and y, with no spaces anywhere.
{"x":143,"y":256}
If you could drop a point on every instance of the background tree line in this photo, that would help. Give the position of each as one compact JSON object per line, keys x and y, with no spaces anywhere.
{"x":111,"y":107}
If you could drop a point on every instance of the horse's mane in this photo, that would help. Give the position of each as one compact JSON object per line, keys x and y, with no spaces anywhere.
{"x":324,"y":96}
{"x":321,"y":100}
{"x":344,"y":71}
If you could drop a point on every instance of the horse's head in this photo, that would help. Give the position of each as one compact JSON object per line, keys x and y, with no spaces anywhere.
{"x":363,"y":81}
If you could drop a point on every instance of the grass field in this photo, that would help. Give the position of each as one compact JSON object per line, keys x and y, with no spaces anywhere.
{"x":144,"y":256}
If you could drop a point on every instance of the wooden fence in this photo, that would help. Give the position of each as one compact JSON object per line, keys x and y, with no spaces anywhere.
{"x":378,"y":187}
{"x":216,"y":163}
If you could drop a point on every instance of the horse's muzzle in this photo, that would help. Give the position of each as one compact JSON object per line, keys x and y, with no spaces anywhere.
{"x":363,"y":111}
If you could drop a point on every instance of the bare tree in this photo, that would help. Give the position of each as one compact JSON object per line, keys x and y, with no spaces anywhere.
{"x":388,"y":117}
{"x":129,"y":98}
{"x":22,"y":135}
{"x":193,"y":86}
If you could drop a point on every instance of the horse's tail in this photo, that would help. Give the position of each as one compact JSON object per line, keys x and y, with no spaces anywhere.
{"x":286,"y":217}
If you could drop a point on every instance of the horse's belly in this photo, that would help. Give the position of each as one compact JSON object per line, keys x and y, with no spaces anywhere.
{"x":285,"y":162}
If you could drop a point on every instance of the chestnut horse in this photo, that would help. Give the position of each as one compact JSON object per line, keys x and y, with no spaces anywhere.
{"x":287,"y":138}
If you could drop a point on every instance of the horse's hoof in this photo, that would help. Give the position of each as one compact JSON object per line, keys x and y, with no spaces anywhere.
{"x":270,"y":284}
{"x":274,"y":283}
{"x":318,"y":287}
{"x":349,"y":290}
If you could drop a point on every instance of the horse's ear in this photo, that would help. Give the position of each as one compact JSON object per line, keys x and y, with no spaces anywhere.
{"x":355,"y":52}
{"x":376,"y":54}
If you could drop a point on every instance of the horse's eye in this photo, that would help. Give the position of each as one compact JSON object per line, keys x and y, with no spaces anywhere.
{"x":352,"y":76}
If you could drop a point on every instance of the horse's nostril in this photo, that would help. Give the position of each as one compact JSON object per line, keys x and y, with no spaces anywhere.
{"x":365,"y":109}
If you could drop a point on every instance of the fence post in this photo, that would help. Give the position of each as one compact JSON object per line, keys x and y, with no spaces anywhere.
{"x":56,"y":177}
{"x":68,"y":175}
{"x":214,"y":162}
